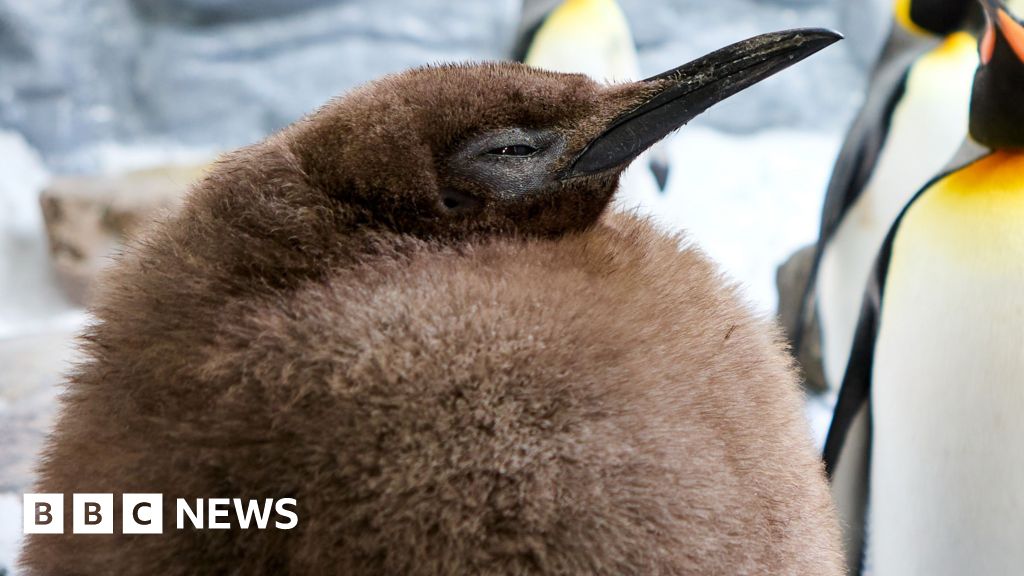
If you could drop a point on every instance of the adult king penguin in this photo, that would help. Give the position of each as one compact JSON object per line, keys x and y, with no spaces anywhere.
{"x":592,"y":37}
{"x":937,"y":366}
{"x":912,"y":122}
{"x":408,"y":313}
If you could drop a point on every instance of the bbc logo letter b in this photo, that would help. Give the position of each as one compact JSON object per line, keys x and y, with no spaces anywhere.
{"x":43,"y":514}
{"x":93,"y":513}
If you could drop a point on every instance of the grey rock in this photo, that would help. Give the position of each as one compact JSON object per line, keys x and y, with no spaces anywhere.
{"x":791,"y":278}
{"x":256,"y":78}
{"x":78,"y":74}
{"x":213,"y":73}
{"x":14,"y":44}
{"x":206,"y":12}
{"x":89,"y":218}
{"x":71,"y":83}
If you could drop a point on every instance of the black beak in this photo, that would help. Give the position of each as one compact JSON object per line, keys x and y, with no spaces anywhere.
{"x":692,"y":88}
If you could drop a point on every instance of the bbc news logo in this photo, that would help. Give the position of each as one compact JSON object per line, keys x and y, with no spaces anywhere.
{"x":144,"y":514}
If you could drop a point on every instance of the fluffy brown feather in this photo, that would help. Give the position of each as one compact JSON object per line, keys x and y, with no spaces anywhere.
{"x":560,"y":394}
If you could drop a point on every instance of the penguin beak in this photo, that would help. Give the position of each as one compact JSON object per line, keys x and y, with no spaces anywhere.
{"x":679,"y":95}
{"x":1000,"y":23}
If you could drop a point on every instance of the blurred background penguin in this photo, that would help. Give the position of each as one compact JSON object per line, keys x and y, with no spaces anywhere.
{"x":924,"y":448}
{"x":913,"y":121}
{"x":593,"y":37}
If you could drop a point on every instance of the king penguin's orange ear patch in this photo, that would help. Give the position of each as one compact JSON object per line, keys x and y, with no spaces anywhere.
{"x":1014,"y":33}
{"x":988,"y":44}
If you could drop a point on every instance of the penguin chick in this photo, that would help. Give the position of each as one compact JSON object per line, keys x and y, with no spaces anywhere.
{"x":407,"y":313}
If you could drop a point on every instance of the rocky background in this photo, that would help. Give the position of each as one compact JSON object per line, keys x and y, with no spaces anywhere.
{"x":80,"y":78}
{"x":102,"y":100}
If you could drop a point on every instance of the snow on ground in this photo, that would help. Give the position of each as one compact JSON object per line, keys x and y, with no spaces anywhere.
{"x":749,"y":201}
{"x":818,"y":409}
{"x":10,"y":530}
{"x":30,"y":300}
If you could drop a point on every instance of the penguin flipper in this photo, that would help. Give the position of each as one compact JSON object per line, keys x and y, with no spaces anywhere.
{"x":848,"y":446}
{"x":849,"y":488}
{"x":856,"y":390}
{"x":847,"y":452}
{"x":854,"y":166}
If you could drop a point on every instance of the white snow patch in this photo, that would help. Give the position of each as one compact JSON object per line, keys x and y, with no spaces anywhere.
{"x":749,"y":200}
{"x":30,"y":301}
{"x":10,"y":531}
{"x":818,"y":408}
{"x":116,"y":157}
{"x":21,"y":179}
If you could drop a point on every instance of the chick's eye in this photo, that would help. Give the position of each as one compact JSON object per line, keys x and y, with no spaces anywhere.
{"x":514,"y":150}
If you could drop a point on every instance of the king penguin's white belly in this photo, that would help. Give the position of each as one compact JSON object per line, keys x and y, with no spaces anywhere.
{"x":928,"y":126}
{"x":947,"y":463}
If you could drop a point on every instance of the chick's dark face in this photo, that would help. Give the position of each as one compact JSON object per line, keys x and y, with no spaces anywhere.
{"x":442,"y":152}
{"x":466,"y":149}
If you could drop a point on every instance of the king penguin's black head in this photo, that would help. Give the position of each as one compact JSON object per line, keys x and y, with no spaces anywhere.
{"x":448,"y":150}
{"x":997,"y":104}
{"x":934,"y":17}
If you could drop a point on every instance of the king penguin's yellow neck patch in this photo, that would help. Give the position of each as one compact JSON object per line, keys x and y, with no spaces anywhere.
{"x":901,"y":13}
{"x":584,"y":13}
{"x":974,"y":215}
{"x":999,"y":173}
{"x":956,"y":44}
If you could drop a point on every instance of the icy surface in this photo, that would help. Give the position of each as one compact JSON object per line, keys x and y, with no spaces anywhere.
{"x":30,"y":305}
{"x":29,"y":298}
{"x":748,"y":201}
{"x":10,"y":531}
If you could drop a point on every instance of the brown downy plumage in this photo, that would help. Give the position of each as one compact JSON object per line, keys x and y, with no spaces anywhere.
{"x":408,"y":312}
